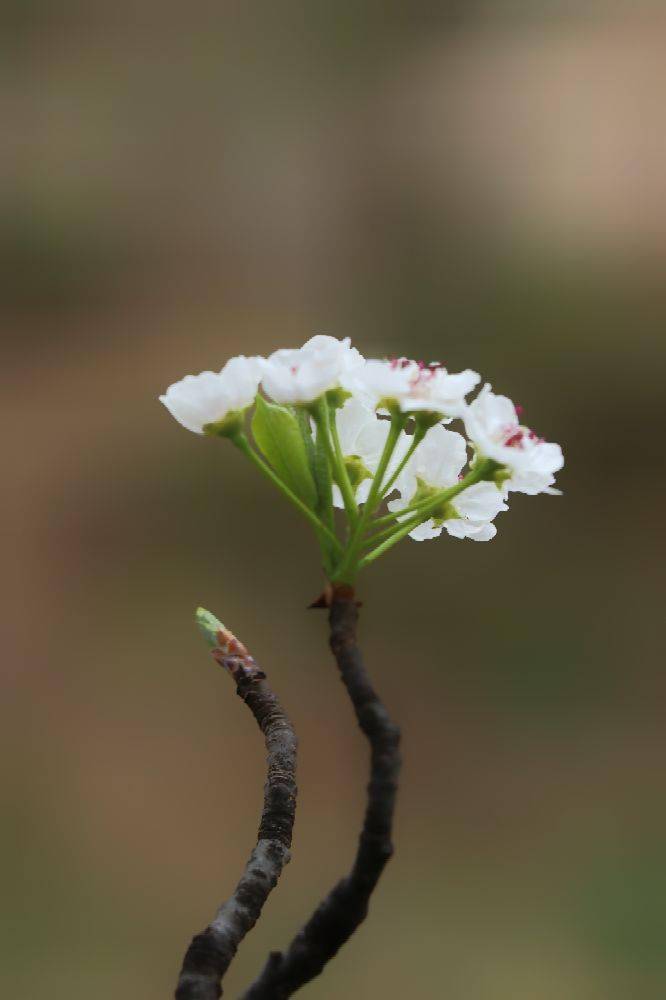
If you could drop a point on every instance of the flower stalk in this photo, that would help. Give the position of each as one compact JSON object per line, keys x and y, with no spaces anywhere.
{"x":417,"y":437}
{"x":324,"y":419}
{"x":348,"y":567}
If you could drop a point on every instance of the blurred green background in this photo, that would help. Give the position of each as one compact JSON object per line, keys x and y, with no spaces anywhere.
{"x":479,"y":182}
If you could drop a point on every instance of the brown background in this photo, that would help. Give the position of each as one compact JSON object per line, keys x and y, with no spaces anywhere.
{"x":478,"y":182}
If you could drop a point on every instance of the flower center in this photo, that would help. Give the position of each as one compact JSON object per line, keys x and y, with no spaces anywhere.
{"x":424,"y":370}
{"x":515,"y":436}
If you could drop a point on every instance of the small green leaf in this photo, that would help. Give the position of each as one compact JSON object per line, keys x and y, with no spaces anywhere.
{"x":278,"y":437}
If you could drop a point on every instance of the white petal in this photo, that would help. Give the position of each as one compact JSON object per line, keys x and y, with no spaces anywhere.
{"x":424,"y":532}
{"x":462,"y":528}
{"x":302,"y":375}
{"x":440,"y":457}
{"x":363,"y":491}
{"x":351,"y":420}
{"x":480,"y":502}
{"x":197,"y":400}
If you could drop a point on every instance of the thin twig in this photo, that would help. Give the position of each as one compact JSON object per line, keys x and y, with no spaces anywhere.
{"x":211,"y":952}
{"x":338,"y":916}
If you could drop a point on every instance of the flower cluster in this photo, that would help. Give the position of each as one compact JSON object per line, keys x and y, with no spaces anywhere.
{"x":332,"y":429}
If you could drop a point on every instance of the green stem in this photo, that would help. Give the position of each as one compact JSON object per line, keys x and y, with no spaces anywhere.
{"x":379,"y":536}
{"x":243,"y":445}
{"x":397,"y":423}
{"x":347,"y":568}
{"x":391,"y":518}
{"x":324,"y":428}
{"x":417,"y":437}
{"x":397,"y":536}
{"x":422,"y":512}
{"x":341,"y":474}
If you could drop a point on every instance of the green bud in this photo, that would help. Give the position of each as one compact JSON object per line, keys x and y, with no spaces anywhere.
{"x":209,"y":626}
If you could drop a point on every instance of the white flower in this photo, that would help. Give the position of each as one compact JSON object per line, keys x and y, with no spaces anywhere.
{"x":412,"y":385}
{"x":476,"y":507}
{"x":363,"y":436}
{"x":437,"y":464}
{"x":207,"y":398}
{"x":361,"y":432}
{"x":305,"y":373}
{"x":492,"y":423}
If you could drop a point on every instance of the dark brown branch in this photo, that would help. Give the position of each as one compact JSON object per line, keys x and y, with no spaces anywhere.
{"x":211,"y":952}
{"x":338,"y":916}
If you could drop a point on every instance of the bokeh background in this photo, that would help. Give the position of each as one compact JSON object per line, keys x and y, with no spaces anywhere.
{"x":480,"y":182}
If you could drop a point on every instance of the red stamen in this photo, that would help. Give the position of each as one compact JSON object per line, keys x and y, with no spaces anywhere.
{"x":515,"y":438}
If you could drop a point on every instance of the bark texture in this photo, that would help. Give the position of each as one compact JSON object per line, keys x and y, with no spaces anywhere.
{"x":338,"y":916}
{"x":211,"y":952}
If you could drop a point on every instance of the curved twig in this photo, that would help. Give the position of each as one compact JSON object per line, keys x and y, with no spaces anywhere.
{"x":346,"y":906}
{"x":211,"y":952}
